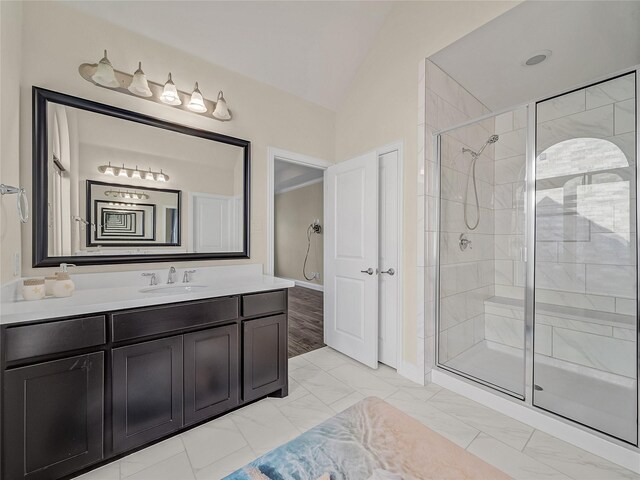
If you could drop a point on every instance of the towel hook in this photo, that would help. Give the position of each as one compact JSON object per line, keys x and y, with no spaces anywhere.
{"x":22,"y":202}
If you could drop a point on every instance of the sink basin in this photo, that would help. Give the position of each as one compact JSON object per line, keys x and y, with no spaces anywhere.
{"x":175,"y":288}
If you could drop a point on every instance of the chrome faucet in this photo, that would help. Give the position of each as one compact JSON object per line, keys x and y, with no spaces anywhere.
{"x":186,"y":278}
{"x":172,"y":275}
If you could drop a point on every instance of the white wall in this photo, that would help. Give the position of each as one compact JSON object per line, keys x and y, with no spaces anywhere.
{"x":381,"y":107}
{"x":56,"y":40}
{"x":10,"y":54}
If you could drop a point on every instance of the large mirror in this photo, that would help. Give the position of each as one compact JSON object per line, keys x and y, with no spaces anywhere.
{"x":115,"y":186}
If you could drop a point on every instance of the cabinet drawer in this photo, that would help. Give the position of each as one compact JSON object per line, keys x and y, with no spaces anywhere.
{"x":264,"y":303}
{"x":54,"y":337}
{"x":168,"y":318}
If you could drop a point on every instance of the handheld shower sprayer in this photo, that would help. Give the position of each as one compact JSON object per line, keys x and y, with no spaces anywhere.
{"x":314,"y":227}
{"x":472,"y":173}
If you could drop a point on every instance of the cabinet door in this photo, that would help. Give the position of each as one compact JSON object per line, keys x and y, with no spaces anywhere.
{"x":53,"y":417}
{"x":147,"y":392}
{"x":264,"y":366}
{"x":211,"y":377}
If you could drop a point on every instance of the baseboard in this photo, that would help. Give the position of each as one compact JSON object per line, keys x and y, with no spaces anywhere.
{"x":302,"y":283}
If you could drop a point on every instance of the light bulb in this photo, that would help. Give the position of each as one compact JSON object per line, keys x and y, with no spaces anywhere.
{"x":107,"y":170}
{"x":170,"y":93}
{"x":196,"y":104}
{"x":149,"y":175}
{"x":123,"y":172}
{"x":136,"y":173}
{"x":105,"y":75}
{"x":161,"y":177}
{"x":139,"y":85}
{"x":221,"y":112}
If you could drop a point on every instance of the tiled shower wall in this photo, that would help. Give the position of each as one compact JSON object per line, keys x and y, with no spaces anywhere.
{"x":466,"y":277}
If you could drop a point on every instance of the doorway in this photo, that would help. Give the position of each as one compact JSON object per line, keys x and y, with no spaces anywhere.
{"x":296,"y":232}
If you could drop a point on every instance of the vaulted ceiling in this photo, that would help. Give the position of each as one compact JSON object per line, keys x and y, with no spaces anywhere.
{"x":311,"y":49}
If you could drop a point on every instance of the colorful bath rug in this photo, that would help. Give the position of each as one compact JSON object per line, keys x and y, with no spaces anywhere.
{"x":369,"y":441}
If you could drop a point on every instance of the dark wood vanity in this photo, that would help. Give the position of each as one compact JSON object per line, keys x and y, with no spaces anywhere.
{"x":79,"y":391}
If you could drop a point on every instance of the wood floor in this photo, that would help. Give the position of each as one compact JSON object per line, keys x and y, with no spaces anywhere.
{"x":306,"y":322}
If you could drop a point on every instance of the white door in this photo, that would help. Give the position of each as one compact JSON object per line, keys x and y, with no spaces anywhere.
{"x":211,"y":230}
{"x":351,"y":258}
{"x":388,"y":258}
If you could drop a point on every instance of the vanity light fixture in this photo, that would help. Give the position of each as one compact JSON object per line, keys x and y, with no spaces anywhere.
{"x":126,"y":194}
{"x":196,"y":104}
{"x":170,"y":93}
{"x":139,"y":85}
{"x":221,"y":111}
{"x":105,"y":75}
{"x":133,"y":173}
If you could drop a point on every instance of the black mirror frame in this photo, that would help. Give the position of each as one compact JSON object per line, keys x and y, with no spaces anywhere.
{"x":40,"y":240}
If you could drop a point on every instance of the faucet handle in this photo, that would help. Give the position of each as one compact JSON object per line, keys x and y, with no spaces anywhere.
{"x":186,"y":278}
{"x":154,"y":278}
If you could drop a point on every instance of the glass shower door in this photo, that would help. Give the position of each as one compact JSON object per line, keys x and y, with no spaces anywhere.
{"x":585,"y":323}
{"x":481,"y":248}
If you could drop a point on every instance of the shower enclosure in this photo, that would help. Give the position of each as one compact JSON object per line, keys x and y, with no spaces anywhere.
{"x":537,"y":271}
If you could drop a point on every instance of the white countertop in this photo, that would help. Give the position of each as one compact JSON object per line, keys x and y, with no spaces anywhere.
{"x":106,"y":292}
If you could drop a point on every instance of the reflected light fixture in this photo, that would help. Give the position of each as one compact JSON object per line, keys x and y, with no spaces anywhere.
{"x":136,"y":173}
{"x":196,"y":104}
{"x":221,"y":112}
{"x":139,"y":85}
{"x":170,"y":93}
{"x":161,"y":177}
{"x":133,"y":173}
{"x":124,"y":172}
{"x":104,"y":74}
{"x":149,"y":175}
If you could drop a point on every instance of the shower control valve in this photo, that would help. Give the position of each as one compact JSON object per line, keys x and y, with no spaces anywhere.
{"x":464,"y":242}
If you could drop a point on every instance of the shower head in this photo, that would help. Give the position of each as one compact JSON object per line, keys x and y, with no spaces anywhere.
{"x":490,"y":140}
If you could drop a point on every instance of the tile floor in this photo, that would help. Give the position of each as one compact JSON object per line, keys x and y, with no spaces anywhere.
{"x":324,"y":382}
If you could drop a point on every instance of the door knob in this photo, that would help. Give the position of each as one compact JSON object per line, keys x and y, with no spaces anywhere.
{"x":391,"y":272}
{"x":368,"y":271}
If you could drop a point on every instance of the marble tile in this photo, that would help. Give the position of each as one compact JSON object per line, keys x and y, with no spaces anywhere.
{"x":324,"y":386}
{"x":618,"y":280}
{"x":573,"y":461}
{"x":578,"y":300}
{"x":561,"y":106}
{"x":226,"y":465}
{"x":108,"y":472}
{"x":430,"y":178}
{"x":143,"y":459}
{"x":176,"y":467}
{"x":625,"y":117}
{"x":568,"y":277}
{"x":327,"y":358}
{"x":520,"y":118}
{"x":263,"y":426}
{"x":543,"y":338}
{"x":611,"y":91}
{"x":430,"y":248}
{"x":504,"y":122}
{"x":460,"y":338}
{"x":503,"y":196}
{"x":448,"y":116}
{"x":511,"y":461}
{"x":431,"y":108}
{"x":362,"y":380}
{"x":297,"y":362}
{"x":446,"y":425}
{"x":626,"y":306}
{"x":577,"y":325}
{"x":602,"y":248}
{"x":212,"y":441}
{"x":499,"y":426}
{"x":511,"y":144}
{"x":306,"y":412}
{"x":596,"y":351}
{"x":510,"y":170}
{"x":503,"y":330}
{"x":596,"y":123}
{"x":296,"y":391}
{"x":625,"y":334}
{"x":346,"y":402}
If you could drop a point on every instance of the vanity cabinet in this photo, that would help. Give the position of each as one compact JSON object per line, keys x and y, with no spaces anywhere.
{"x":78,"y":392}
{"x":264,"y":356}
{"x":147,"y":392}
{"x":211,"y":373}
{"x":53,"y":417}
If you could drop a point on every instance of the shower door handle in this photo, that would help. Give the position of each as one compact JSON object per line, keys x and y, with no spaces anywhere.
{"x":391,"y":272}
{"x":368,"y":271}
